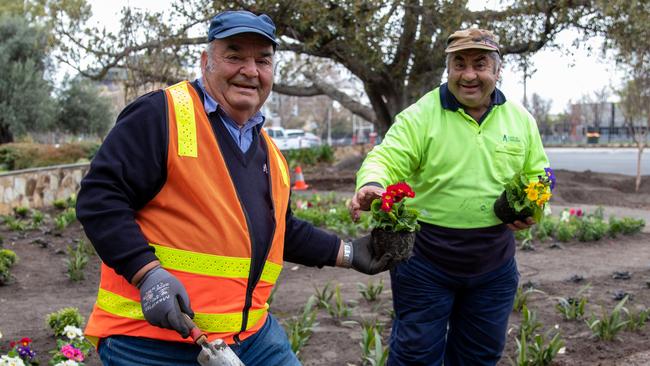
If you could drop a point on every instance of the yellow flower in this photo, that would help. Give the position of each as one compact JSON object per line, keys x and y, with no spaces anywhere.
{"x":531,"y":192}
{"x":543,"y":198}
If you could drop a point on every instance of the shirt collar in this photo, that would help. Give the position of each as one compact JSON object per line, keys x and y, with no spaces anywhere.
{"x":449,"y":101}
{"x":210,"y":105}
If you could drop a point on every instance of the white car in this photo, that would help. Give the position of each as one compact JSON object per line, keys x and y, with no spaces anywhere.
{"x":292,"y":138}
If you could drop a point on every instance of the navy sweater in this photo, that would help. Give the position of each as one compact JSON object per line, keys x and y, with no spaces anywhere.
{"x":130,"y":169}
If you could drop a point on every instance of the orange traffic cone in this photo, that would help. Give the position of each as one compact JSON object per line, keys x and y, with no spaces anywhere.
{"x":300,"y":184}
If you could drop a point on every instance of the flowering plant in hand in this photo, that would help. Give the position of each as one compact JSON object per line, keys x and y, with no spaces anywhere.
{"x":394,"y":224}
{"x":522,"y":198}
{"x":389,"y":212}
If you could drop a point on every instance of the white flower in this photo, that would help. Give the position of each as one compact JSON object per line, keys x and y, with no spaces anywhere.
{"x":562,"y":350}
{"x":332,"y":210}
{"x":72,"y":332}
{"x":547,"y":210}
{"x":0,"y":335}
{"x":565,"y":215}
{"x":11,"y":361}
{"x":67,"y":363}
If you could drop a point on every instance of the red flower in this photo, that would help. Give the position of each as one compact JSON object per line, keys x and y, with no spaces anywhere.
{"x":386,"y":206}
{"x":572,"y":212}
{"x":25,"y":341}
{"x":12,"y":344}
{"x":400,"y":190}
{"x":579,"y":213}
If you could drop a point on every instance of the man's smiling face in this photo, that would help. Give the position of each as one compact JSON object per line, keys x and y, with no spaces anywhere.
{"x":239,"y":74}
{"x":472,"y":77}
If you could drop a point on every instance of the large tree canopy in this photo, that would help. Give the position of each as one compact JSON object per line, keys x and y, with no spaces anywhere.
{"x":25,"y":99}
{"x":394,"y":49}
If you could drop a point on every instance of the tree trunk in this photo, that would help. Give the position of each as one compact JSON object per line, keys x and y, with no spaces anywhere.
{"x":5,"y":134}
{"x":641,"y":146}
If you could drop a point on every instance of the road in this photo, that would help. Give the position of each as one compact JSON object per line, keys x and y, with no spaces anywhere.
{"x":604,"y":160}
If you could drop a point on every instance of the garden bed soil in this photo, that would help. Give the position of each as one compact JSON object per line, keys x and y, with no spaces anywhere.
{"x":41,"y":285}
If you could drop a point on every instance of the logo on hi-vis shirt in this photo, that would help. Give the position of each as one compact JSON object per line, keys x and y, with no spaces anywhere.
{"x":507,"y":138}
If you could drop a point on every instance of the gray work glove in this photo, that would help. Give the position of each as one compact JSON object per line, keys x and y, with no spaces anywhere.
{"x":363,"y":259}
{"x":164,"y":300}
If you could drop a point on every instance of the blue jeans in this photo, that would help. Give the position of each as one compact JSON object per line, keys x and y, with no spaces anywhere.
{"x":438,"y":317}
{"x":269,"y":346}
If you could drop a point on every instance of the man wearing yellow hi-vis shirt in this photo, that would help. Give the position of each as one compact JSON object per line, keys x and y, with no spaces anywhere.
{"x":456,"y":147}
{"x":187,"y":204}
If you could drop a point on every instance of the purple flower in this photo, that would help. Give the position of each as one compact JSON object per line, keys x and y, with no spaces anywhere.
{"x":25,"y":352}
{"x":551,"y":176}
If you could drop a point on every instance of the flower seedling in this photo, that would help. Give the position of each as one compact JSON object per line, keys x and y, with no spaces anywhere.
{"x":22,"y":353}
{"x":371,"y":291}
{"x":573,"y":308}
{"x":389,"y":212}
{"x":300,"y":328}
{"x":373,"y":351}
{"x":522,"y":198}
{"x":323,"y":296}
{"x":339,"y":309}
{"x":394,"y":224}
{"x":609,"y":324}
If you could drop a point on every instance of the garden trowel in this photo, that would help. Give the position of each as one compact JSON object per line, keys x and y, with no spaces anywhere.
{"x":215,"y":353}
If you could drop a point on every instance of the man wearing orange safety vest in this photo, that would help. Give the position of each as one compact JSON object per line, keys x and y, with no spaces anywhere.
{"x":187,"y":204}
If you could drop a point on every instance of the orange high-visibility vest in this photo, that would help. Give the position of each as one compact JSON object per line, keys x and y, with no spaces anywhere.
{"x":201,"y":235}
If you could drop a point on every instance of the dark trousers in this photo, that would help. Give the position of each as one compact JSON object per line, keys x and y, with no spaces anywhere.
{"x":438,"y":317}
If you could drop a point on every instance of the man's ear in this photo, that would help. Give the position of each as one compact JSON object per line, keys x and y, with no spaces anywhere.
{"x":204,"y":62}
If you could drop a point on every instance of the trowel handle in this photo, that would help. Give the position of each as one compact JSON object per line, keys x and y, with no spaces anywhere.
{"x":197,"y":335}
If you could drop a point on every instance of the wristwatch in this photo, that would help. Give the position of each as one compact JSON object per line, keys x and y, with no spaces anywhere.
{"x":347,"y":255}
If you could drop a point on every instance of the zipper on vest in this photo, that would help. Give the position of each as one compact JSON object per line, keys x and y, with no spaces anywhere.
{"x":252,"y":282}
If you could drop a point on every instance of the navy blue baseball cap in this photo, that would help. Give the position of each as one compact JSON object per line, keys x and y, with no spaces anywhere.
{"x":230,"y":23}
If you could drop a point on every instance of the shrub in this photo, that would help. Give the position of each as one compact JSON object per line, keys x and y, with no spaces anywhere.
{"x":16,"y":156}
{"x":591,"y":229}
{"x":58,"y":320}
{"x":565,"y":232}
{"x":7,"y":259}
{"x":21,"y":211}
{"x":630,"y":226}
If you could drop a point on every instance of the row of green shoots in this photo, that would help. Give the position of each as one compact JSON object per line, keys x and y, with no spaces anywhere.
{"x":536,"y":347}
{"x":587,"y":227}
{"x":78,"y":255}
{"x":24,"y":218}
{"x":301,"y":326}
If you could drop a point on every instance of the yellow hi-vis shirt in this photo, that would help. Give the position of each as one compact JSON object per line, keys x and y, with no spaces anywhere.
{"x":456,"y":167}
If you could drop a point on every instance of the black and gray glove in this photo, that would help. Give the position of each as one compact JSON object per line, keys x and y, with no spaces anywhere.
{"x":363,"y":259}
{"x":164,"y":300}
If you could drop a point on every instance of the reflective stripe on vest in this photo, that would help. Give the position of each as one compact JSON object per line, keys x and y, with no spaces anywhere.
{"x":185,"y":122}
{"x":215,"y":323}
{"x":212,"y":265}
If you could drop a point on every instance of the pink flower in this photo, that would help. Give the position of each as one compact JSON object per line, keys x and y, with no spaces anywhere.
{"x":572,"y":211}
{"x":579,"y":212}
{"x":70,"y":352}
